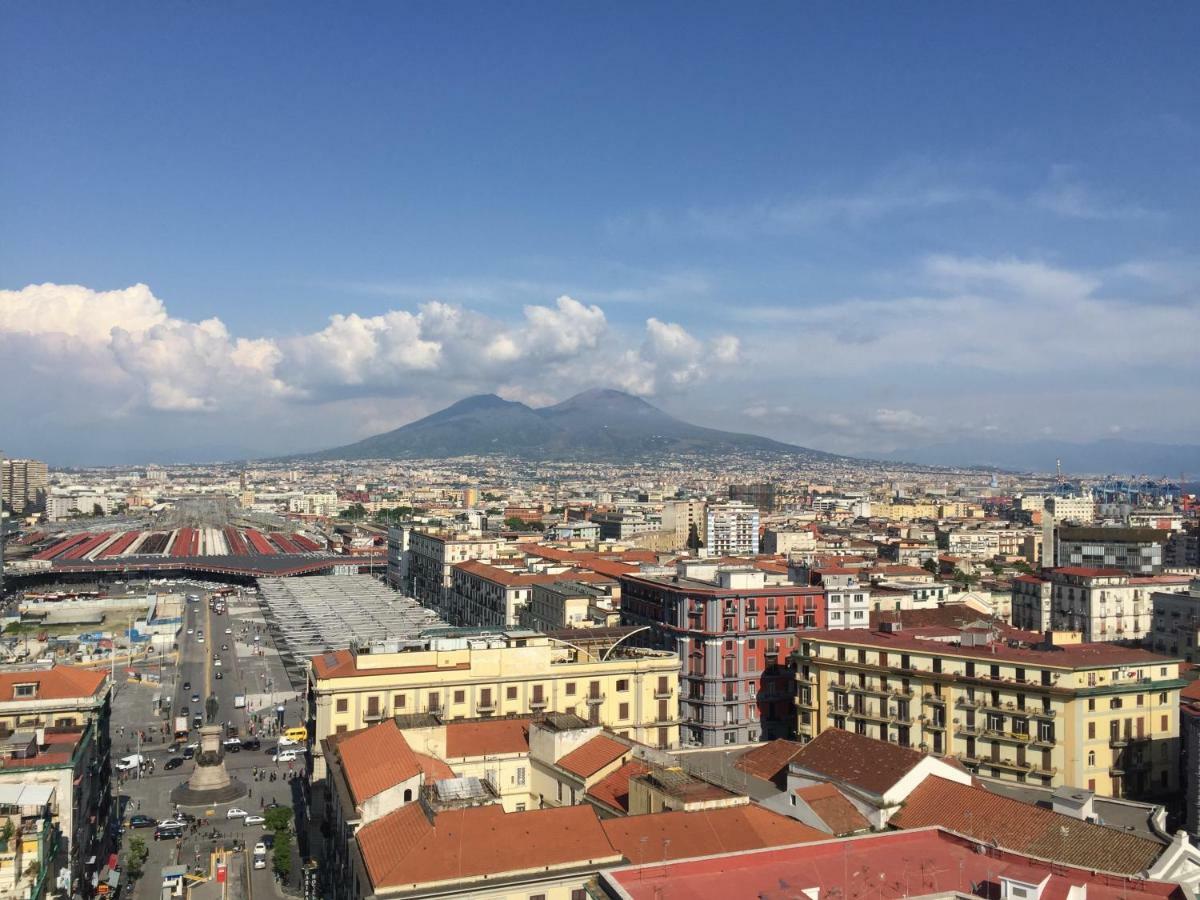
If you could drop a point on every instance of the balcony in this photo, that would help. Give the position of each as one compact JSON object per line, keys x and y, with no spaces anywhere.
{"x":967,"y":731}
{"x":934,"y":699}
{"x":1011,"y":765}
{"x":595,"y":699}
{"x":1013,"y":737}
{"x":1118,"y":742}
{"x":1042,"y":713}
{"x":372,"y":715}
{"x":488,"y":707}
{"x":538,"y":703}
{"x":1116,"y":771}
{"x":1045,"y":771}
{"x":663,"y":695}
{"x":868,"y":689}
{"x":931,"y":725}
{"x":968,"y":703}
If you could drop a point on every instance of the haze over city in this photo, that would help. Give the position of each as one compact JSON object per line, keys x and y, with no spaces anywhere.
{"x":257,"y":231}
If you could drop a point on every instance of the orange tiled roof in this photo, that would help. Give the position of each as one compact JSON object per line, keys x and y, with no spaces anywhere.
{"x":834,"y":809}
{"x":375,"y":759}
{"x":857,"y":760}
{"x":1025,"y":828}
{"x":705,"y":832}
{"x":591,"y":756}
{"x":613,"y":789}
{"x":486,"y":737}
{"x":405,"y":848}
{"x":57,"y":683}
{"x":433,"y":768}
{"x":770,"y":760}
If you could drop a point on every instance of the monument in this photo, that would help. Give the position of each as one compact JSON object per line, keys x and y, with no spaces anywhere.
{"x":210,"y":782}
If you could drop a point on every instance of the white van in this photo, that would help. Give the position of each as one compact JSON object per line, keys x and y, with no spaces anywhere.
{"x":129,"y":763}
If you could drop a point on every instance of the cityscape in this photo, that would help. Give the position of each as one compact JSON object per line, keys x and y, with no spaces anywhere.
{"x":595,"y":453}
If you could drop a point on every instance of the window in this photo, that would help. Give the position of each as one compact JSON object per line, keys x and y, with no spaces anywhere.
{"x":341,"y":729}
{"x":398,"y":701}
{"x":578,"y":894}
{"x":434,"y":702}
{"x":510,"y":693}
{"x":1114,"y":703}
{"x":408,"y":795}
{"x":1091,"y":704}
{"x":520,"y":807}
{"x":24,"y":690}
{"x":460,"y":696}
{"x":1091,"y":731}
{"x":1091,"y":757}
{"x":623,"y":711}
{"x":622,"y":684}
{"x":1164,"y":727}
{"x":520,"y":775}
{"x":342,"y":704}
{"x":570,"y":689}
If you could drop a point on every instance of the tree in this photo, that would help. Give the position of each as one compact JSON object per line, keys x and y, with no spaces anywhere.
{"x":930,"y":566}
{"x":693,"y":539}
{"x":279,"y":818}
{"x":282,"y":855}
{"x":135,"y":857}
{"x":354,"y":511}
{"x":512,"y":523}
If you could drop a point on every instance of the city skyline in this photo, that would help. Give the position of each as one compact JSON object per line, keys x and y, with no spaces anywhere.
{"x":858,"y":234}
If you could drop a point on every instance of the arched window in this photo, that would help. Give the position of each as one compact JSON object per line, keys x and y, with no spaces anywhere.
{"x":408,"y":792}
{"x":1091,"y":759}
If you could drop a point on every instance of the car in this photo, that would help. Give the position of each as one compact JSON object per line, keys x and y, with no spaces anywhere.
{"x":251,"y":743}
{"x":284,"y":756}
{"x":189,"y":751}
{"x":129,"y":763}
{"x":255,"y":820}
{"x":167,"y":832}
{"x":285,"y":741}
{"x":195,"y":698}
{"x":257,"y":639}
{"x":191,"y":631}
{"x":140,"y":821}
{"x":172,"y":823}
{"x":234,"y":813}
{"x":199,"y":639}
{"x":217,"y":661}
{"x":224,"y":646}
{"x":229,"y":631}
{"x":173,"y":763}
{"x":187,"y":685}
{"x":233,"y":745}
{"x":217,"y":675}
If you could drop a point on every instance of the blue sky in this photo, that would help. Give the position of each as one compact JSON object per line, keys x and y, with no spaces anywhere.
{"x":860,"y":228}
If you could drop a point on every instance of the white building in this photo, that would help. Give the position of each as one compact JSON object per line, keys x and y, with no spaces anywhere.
{"x":731,"y":530}
{"x":1072,"y":509}
{"x":322,"y":504}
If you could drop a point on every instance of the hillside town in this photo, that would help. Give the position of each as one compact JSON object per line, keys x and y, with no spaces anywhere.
{"x":598,"y":680}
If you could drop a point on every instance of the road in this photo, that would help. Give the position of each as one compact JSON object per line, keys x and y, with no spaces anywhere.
{"x":246,"y":667}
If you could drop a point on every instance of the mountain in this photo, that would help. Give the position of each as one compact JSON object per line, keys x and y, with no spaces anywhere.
{"x":594,"y":425}
{"x":1102,"y":457}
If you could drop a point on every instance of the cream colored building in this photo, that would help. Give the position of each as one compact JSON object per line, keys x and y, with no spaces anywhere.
{"x":1097,"y":716}
{"x":464,"y":674}
{"x":431,"y":556}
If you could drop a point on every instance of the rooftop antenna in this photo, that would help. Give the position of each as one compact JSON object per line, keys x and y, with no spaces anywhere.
{"x":1058,"y":471}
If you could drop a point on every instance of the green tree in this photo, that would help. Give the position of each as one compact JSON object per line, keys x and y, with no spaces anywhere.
{"x":279,"y":818}
{"x":282,"y":855}
{"x":135,"y":857}
{"x":512,"y":523}
{"x":354,"y":512}
{"x":693,"y":539}
{"x":930,"y":566}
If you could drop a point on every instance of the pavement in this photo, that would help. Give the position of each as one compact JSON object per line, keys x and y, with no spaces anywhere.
{"x":247,"y":668}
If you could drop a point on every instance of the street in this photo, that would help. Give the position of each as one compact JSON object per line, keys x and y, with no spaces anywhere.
{"x":246,"y":667}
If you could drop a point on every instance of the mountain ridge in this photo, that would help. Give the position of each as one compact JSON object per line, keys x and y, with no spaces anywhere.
{"x":598,"y":424}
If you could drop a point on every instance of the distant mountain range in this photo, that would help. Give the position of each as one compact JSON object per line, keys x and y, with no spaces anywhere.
{"x":1102,"y":457}
{"x":595,"y":425}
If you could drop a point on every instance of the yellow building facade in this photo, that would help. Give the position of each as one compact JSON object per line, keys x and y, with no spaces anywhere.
{"x":1095,"y":716}
{"x":632,"y":690}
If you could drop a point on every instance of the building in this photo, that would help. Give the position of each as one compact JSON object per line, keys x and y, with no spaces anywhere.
{"x":779,"y":542}
{"x":731,"y":529}
{"x":681,"y":516}
{"x":431,"y":556}
{"x":1175,"y":629}
{"x":1080,"y":510}
{"x":1092,"y":715}
{"x":1139,"y":551}
{"x":760,"y":495}
{"x":571,"y":604}
{"x":1189,"y":725}
{"x":325,"y":503}
{"x":969,"y":543}
{"x":576,"y":530}
{"x":1106,"y":604}
{"x":489,"y":596}
{"x":1182,"y":550}
{"x":473,"y":672}
{"x":733,"y":633}
{"x":397,"y":557}
{"x":54,"y":760}
{"x":23,"y":485}
{"x":1031,"y":603}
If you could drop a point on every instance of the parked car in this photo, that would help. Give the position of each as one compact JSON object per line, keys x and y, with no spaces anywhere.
{"x":173,"y":763}
{"x":170,"y":831}
{"x":224,"y":646}
{"x":284,"y":756}
{"x":236,"y":813}
{"x":140,"y":821}
{"x":217,"y":661}
{"x":232,"y":745}
{"x":255,"y":820}
{"x":229,"y":631}
{"x":251,"y":743}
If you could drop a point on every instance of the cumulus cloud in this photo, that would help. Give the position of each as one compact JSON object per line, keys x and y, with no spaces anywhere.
{"x":129,"y":343}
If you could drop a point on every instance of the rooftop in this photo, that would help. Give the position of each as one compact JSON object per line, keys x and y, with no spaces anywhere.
{"x":485,"y":737}
{"x":593,"y":755}
{"x":375,"y":759}
{"x":769,"y":761}
{"x":856,"y":760}
{"x":613,"y":789}
{"x":57,"y":683}
{"x":834,"y":809}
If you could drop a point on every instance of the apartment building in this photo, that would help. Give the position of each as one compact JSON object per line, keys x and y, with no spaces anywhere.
{"x":969,"y":543}
{"x":23,"y":485}
{"x":1075,"y":509}
{"x":1139,"y":551}
{"x":759,"y":494}
{"x":1031,"y":603}
{"x":325,"y":503}
{"x":571,"y":604}
{"x":731,"y":529}
{"x":1182,"y":550}
{"x":465,"y":673}
{"x":1176,"y":623}
{"x":1091,"y":715}
{"x":780,"y":542}
{"x":483,"y":595}
{"x":733,"y":633}
{"x":681,"y":516}
{"x":54,"y":762}
{"x":431,"y":557}
{"x":1107,"y":604}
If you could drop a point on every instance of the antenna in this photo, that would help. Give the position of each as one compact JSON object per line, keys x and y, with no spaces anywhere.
{"x":1058,"y":471}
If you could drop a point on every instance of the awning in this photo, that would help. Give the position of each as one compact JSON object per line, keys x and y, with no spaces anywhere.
{"x":35,"y":794}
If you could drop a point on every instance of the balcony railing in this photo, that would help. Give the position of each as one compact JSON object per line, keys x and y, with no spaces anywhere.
{"x":595,"y":699}
{"x":934,"y":699}
{"x":663,"y":695}
{"x":538,"y":703}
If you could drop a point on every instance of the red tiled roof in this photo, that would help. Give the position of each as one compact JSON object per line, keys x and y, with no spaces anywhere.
{"x":57,"y":683}
{"x":857,"y":760}
{"x":506,"y":577}
{"x":703,"y":832}
{"x":404,"y":848}
{"x":1191,"y":692}
{"x":341,"y":664}
{"x":978,"y":813}
{"x":832,"y":807}
{"x":433,"y":768}
{"x":1088,"y":572}
{"x":769,"y":761}
{"x":486,"y":738}
{"x":375,"y":759}
{"x":613,"y":789}
{"x":593,"y":755}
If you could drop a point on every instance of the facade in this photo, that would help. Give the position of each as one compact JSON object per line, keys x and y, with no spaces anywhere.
{"x":733,"y":633}
{"x":570,"y":604}
{"x":681,"y":515}
{"x":325,"y":503}
{"x":431,"y":556}
{"x":731,"y":529}
{"x":847,"y":604}
{"x":969,"y":543}
{"x":1088,"y":715}
{"x":1139,"y":551}
{"x":487,"y":596}
{"x":23,"y":485}
{"x":397,"y":557}
{"x":55,"y":751}
{"x":468,"y":673}
{"x":1176,"y":625}
{"x":760,"y":495}
{"x":1031,"y":603}
{"x":1106,"y":604}
{"x":1189,"y":725}
{"x":1078,"y":510}
{"x":1182,"y":550}
{"x":782,"y":543}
